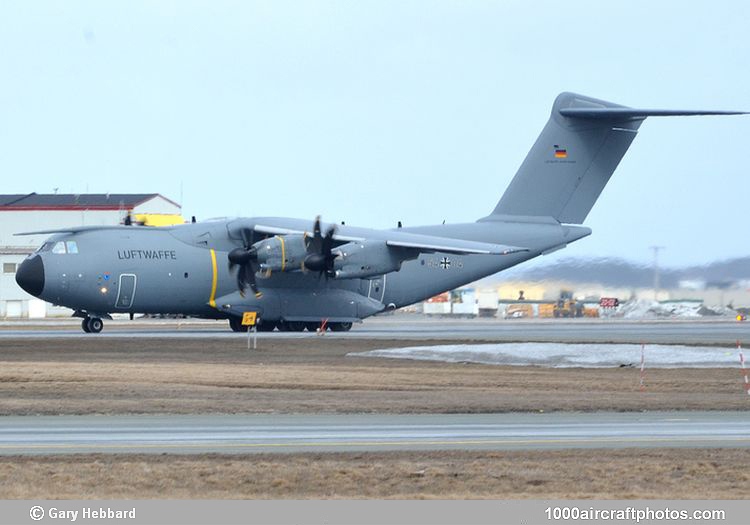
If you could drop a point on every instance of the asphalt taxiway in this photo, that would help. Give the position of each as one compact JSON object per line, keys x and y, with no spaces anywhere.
{"x":723,"y":332}
{"x":368,"y":433}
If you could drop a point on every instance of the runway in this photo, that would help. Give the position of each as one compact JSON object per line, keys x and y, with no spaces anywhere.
{"x":29,"y":435}
{"x":406,"y":327}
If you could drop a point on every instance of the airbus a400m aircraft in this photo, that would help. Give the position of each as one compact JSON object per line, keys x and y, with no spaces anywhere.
{"x":295,"y":273}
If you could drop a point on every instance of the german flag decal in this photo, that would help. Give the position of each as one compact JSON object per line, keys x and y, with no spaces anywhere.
{"x":560,"y":153}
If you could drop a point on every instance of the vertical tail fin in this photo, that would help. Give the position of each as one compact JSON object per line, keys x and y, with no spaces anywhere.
{"x":574,"y":157}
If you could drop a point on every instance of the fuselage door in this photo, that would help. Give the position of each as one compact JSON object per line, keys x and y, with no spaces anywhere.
{"x":376,"y":289}
{"x":126,"y":291}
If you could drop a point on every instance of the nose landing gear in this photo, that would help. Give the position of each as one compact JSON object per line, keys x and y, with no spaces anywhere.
{"x":92,"y":325}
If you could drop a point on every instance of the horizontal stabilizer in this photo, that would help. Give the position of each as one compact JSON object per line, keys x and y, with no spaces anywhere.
{"x":616,"y":113}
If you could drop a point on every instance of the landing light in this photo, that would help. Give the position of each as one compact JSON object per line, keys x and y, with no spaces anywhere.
{"x":103,"y":289}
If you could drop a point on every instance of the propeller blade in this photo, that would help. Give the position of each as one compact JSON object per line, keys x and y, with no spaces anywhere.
{"x":314,"y":243}
{"x":250,"y":278}
{"x":247,"y":236}
{"x":241,"y":284}
{"x":327,"y":244}
{"x":316,"y":227}
{"x":246,"y":261}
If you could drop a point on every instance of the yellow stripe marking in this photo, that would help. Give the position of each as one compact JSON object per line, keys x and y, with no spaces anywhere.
{"x":283,"y":253}
{"x":214,"y":280}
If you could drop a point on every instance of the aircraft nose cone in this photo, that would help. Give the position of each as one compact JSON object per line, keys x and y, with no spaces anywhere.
{"x":30,"y":275}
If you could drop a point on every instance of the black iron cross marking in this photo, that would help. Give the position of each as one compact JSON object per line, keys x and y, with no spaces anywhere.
{"x":445,"y":263}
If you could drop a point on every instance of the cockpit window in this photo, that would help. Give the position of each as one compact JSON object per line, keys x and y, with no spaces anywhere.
{"x":47,"y":246}
{"x":60,"y":247}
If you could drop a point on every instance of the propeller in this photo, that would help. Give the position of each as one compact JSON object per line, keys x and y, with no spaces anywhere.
{"x":246,"y":261}
{"x":319,"y":256}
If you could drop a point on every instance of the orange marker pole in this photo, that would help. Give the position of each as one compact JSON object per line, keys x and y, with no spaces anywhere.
{"x":323,"y":326}
{"x":744,"y":370}
{"x":643,"y":366}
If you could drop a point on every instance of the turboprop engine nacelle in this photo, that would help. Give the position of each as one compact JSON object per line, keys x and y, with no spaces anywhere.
{"x":359,"y":260}
{"x":281,"y":253}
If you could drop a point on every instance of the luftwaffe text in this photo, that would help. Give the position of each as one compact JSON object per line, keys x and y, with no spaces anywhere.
{"x":146,"y":254}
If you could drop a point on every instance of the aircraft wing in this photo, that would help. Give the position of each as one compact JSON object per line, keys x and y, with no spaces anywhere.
{"x":79,"y":229}
{"x":399,"y":239}
{"x":428,"y":244}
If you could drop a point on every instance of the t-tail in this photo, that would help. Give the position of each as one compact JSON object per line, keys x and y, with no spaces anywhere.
{"x":574,"y":157}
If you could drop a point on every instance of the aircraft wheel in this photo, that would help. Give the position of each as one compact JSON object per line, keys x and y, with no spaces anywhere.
{"x":296,"y":326}
{"x":266,"y":326}
{"x":312,"y":327}
{"x":340,"y":327}
{"x":85,"y":325}
{"x":291,"y":326}
{"x":95,"y":325}
{"x":236,"y":325}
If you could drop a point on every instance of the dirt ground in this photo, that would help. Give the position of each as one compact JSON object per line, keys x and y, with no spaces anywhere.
{"x":163,"y":375}
{"x":105,"y":376}
{"x":600,"y":474}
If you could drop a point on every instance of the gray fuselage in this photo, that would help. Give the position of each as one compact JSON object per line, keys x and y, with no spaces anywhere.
{"x":184,"y":270}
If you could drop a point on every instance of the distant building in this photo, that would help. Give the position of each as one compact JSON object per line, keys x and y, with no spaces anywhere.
{"x":33,"y":212}
{"x":691,"y":284}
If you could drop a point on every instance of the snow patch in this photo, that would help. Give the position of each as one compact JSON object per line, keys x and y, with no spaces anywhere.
{"x":560,"y":355}
{"x":668,"y":310}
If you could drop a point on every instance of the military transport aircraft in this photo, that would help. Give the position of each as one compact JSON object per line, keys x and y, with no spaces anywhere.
{"x":296,"y":273}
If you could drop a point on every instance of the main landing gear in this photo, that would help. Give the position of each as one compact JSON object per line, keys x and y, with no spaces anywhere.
{"x":92,"y":325}
{"x":235,"y":323}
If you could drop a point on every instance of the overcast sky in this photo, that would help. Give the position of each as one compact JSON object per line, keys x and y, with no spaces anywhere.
{"x":374,"y":112}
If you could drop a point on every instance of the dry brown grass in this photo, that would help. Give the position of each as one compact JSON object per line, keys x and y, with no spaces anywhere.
{"x":314,"y":375}
{"x":640,"y":474}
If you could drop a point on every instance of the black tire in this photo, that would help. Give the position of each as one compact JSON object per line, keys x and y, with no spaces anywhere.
{"x":295,"y":326}
{"x":312,"y":327}
{"x":340,"y":327}
{"x":95,"y":325}
{"x":85,"y":325}
{"x":266,"y":326}
{"x":236,"y":325}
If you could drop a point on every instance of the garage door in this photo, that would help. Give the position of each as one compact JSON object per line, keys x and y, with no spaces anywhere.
{"x":37,"y":309}
{"x":13,"y":308}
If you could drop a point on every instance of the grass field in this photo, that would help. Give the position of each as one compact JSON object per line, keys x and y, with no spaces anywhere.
{"x":115,"y":376}
{"x":610,"y":474}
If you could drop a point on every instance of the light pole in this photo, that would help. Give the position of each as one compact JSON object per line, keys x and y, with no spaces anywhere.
{"x":656,"y":250}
